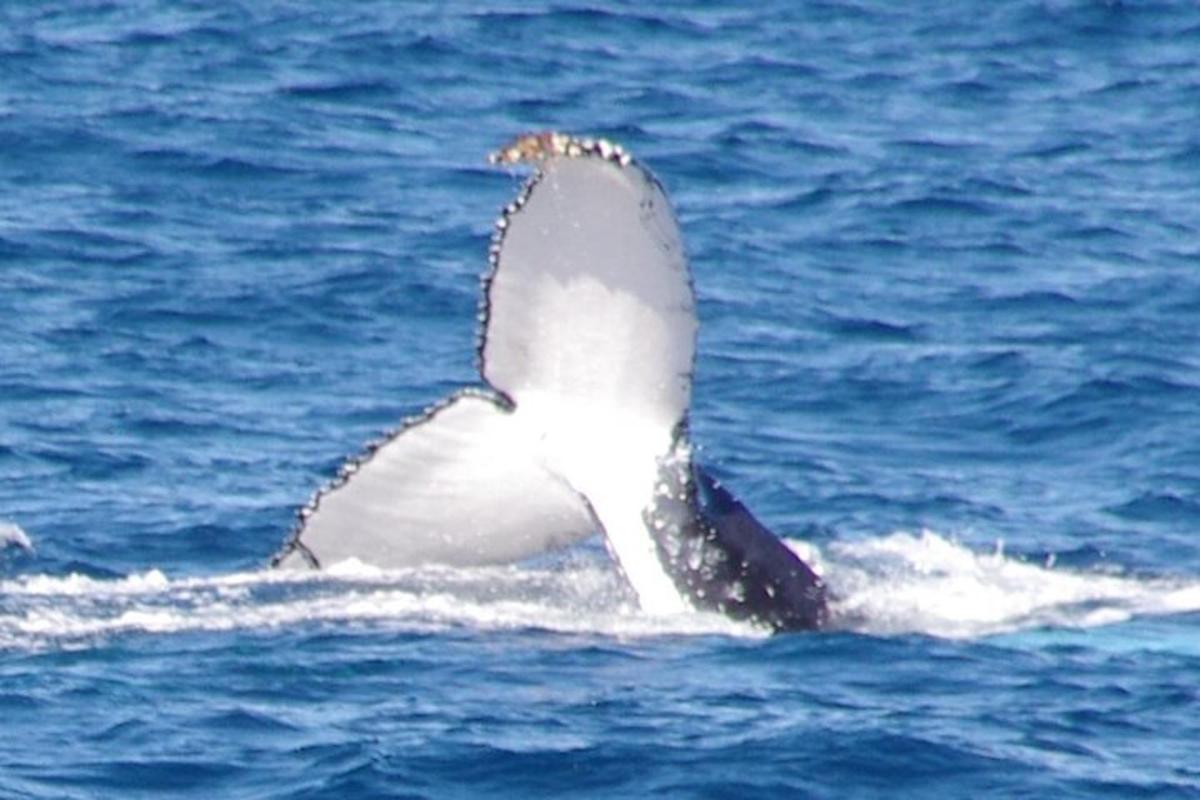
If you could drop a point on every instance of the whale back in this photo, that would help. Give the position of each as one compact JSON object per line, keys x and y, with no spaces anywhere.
{"x":723,"y":559}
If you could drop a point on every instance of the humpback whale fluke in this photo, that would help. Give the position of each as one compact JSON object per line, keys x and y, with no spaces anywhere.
{"x":586,"y":352}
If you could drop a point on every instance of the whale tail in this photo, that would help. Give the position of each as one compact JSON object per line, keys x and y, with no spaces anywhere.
{"x":586,"y":351}
{"x":457,"y":485}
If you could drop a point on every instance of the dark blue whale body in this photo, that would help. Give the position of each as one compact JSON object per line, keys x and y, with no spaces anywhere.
{"x":586,"y":355}
{"x":723,"y":559}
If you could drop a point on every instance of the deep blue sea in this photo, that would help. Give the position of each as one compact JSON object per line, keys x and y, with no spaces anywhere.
{"x":947,"y":257}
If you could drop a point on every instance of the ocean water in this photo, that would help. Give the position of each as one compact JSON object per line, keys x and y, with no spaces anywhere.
{"x":948,"y":265}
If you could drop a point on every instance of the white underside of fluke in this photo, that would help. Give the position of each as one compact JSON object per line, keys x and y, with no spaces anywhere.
{"x":611,"y":459}
{"x":588,"y":341}
{"x":476,"y":484}
{"x":464,"y":485}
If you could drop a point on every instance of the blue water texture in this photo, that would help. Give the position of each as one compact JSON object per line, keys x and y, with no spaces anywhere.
{"x":947,"y":258}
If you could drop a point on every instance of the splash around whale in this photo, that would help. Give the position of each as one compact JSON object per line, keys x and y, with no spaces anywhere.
{"x":586,"y":354}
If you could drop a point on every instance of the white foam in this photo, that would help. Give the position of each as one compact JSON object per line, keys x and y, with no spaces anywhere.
{"x":75,"y":585}
{"x":589,"y":598}
{"x":897,"y":584}
{"x":927,"y":584}
{"x":11,"y":535}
